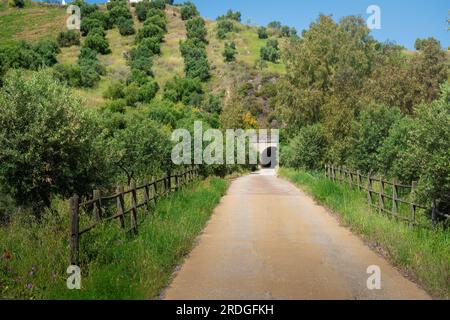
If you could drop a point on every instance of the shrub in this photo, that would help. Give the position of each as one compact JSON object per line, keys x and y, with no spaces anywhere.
{"x":148,"y":91}
{"x":224,"y":27}
{"x":87,"y":24}
{"x":157,"y":20}
{"x":125,"y":26}
{"x":68,"y":38}
{"x":196,"y":29}
{"x":370,"y":131}
{"x":236,"y":16}
{"x":47,"y":141}
{"x":182,"y":89}
{"x":229,"y":53}
{"x":151,"y":45}
{"x":195,"y":59}
{"x":307,"y":149}
{"x":120,"y":11}
{"x":262,"y":33}
{"x":150,"y":31}
{"x":114,"y":91}
{"x":98,"y":43}
{"x":104,"y":17}
{"x":270,"y":52}
{"x":18,"y":3}
{"x":47,"y":49}
{"x":141,"y":10}
{"x":188,"y":11}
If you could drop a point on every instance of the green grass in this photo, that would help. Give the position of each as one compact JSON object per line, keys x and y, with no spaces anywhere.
{"x":114,"y":266}
{"x":31,"y":23}
{"x":423,"y":253}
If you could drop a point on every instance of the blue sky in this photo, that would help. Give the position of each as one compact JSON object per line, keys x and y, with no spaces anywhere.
{"x":402,"y":21}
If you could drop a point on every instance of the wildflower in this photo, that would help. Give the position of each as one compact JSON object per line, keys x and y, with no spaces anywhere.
{"x":30,"y":286}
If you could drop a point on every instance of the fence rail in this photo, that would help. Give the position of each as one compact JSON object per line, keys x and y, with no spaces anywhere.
{"x":99,"y":204}
{"x":384,"y":200}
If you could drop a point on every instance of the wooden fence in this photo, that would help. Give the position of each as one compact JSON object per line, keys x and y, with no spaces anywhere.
{"x":387,"y":196}
{"x":113,"y":207}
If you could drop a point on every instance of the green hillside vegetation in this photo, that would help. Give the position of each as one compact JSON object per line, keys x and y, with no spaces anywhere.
{"x":95,"y":109}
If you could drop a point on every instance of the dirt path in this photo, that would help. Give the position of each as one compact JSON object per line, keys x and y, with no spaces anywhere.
{"x":268,"y":240}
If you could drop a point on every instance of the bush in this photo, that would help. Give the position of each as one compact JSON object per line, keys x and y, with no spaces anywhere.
{"x":182,"y":89}
{"x":196,"y":29}
{"x":151,"y":45}
{"x":224,"y":27}
{"x":18,"y":3}
{"x":195,"y":59}
{"x":68,"y":38}
{"x":150,"y":31}
{"x":369,"y":133}
{"x":104,"y":17}
{"x":47,"y":50}
{"x":230,"y":52}
{"x":98,"y":43}
{"x":157,"y":20}
{"x":141,"y":10}
{"x":47,"y":141}
{"x":307,"y":149}
{"x":120,"y":11}
{"x":262,"y":33}
{"x":236,"y":16}
{"x":148,"y":91}
{"x":125,"y":26}
{"x":115,"y":91}
{"x":270,"y":52}
{"x":189,"y":11}
{"x":87,"y":24}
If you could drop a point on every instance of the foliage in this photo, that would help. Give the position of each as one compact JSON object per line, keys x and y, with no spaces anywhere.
{"x":236,"y":16}
{"x":97,"y":42}
{"x":307,"y":149}
{"x":369,"y":133}
{"x":125,"y":26}
{"x":196,"y":29}
{"x":262,"y":33}
{"x":68,"y":38}
{"x":189,"y":11}
{"x":56,"y":136}
{"x":224,"y":27}
{"x":270,"y":52}
{"x":182,"y":90}
{"x":230,"y":51}
{"x":195,"y":59}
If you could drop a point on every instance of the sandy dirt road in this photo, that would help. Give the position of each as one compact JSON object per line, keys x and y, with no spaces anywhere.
{"x":269,"y":240}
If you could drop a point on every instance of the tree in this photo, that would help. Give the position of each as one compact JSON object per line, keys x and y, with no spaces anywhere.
{"x":262,"y":33}
{"x":429,"y":68}
{"x":270,"y":52}
{"x":141,"y":149}
{"x":97,"y":42}
{"x":68,"y":38}
{"x":230,"y":51}
{"x":188,"y":11}
{"x":196,"y":29}
{"x":125,"y":26}
{"x":47,"y":141}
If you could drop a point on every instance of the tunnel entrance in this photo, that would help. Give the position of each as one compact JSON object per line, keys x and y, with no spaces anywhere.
{"x":269,"y":158}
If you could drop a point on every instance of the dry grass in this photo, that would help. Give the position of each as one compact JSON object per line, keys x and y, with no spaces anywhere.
{"x":171,"y":63}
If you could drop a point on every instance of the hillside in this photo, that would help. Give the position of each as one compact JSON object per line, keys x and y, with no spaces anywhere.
{"x":39,"y":22}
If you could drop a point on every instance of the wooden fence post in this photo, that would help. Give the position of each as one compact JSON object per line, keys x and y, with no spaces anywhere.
{"x":394,"y":198}
{"x":155,"y":189}
{"x":359,"y":182}
{"x":133,"y":206}
{"x":146,"y":195}
{"x":163,"y":185}
{"x":74,"y":229}
{"x":413,"y":206}
{"x":350,"y":177}
{"x":381,"y":196}
{"x":97,"y":205}
{"x":176,"y":181}
{"x":120,"y":207}
{"x":434,"y":219}
{"x":369,"y":187}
